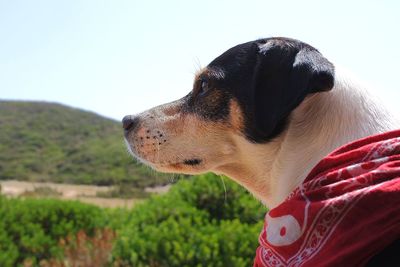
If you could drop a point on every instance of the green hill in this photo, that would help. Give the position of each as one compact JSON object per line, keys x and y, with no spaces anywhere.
{"x":42,"y":141}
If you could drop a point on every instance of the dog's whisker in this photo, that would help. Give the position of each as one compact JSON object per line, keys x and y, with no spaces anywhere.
{"x":198,"y":66}
{"x":223,"y":184}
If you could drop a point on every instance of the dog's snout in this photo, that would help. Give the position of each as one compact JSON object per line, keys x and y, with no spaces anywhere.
{"x":129,"y":122}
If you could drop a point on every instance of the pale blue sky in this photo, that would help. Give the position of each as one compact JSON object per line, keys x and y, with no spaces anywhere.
{"x":121,"y":57}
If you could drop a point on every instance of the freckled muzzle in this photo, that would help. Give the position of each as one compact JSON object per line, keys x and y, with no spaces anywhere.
{"x":170,"y":138}
{"x":143,"y":141}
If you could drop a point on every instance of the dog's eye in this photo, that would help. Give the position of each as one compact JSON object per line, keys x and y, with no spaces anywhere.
{"x":203,"y":87}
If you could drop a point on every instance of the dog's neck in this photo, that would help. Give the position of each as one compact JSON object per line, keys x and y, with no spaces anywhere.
{"x":322,"y":123}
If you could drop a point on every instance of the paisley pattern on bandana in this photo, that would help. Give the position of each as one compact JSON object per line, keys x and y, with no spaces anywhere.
{"x":345,"y":211}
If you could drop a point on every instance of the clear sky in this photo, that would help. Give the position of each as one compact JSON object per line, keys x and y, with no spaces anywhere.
{"x":121,"y":57}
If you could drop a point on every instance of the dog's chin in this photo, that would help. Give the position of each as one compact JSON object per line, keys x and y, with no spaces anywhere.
{"x":184,"y":167}
{"x":179,"y":168}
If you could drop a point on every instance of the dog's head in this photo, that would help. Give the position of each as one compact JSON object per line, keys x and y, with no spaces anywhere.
{"x":248,"y":92}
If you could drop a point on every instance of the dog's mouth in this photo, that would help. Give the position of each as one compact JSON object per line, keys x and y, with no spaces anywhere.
{"x":192,"y":162}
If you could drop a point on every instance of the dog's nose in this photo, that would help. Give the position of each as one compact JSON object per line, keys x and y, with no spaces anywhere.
{"x":129,"y":122}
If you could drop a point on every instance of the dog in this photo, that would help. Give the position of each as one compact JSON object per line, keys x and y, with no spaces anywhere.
{"x":263,"y":113}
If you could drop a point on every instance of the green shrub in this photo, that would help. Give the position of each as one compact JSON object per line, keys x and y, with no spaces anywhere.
{"x":200,"y":222}
{"x":31,"y":228}
{"x":222,"y":198}
{"x":192,"y":225}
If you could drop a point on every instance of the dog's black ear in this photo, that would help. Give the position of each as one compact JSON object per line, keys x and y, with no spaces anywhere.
{"x":284,"y":75}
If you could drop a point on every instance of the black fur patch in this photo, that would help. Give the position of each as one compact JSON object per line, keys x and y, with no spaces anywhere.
{"x":269,"y":78}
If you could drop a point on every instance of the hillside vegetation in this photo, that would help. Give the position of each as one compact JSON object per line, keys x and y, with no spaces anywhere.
{"x":42,"y":141}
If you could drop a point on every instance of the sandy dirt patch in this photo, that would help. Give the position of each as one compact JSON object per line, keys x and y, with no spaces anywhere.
{"x":83,"y":193}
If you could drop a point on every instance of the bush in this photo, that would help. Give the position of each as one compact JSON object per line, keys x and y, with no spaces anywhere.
{"x":200,"y":222}
{"x":31,"y":228}
{"x":222,"y":198}
{"x":193,"y":225}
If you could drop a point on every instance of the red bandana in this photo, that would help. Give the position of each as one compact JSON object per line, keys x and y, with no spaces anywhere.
{"x":346,"y":210}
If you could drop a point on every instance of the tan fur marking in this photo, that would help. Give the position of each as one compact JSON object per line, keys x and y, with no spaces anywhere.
{"x":236,"y":116}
